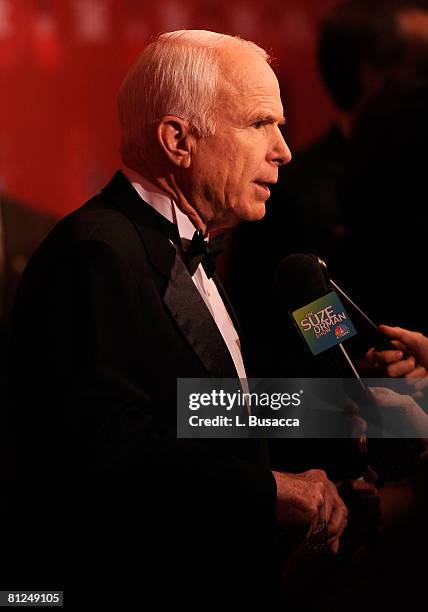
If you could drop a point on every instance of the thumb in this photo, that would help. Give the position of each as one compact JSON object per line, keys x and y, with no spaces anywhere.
{"x":407,"y":337}
{"x":370,"y":476}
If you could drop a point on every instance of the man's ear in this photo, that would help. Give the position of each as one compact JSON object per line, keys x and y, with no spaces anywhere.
{"x":175,"y":139}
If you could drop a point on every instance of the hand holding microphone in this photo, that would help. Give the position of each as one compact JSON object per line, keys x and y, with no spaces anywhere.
{"x":305,"y":286}
{"x":409,"y":360}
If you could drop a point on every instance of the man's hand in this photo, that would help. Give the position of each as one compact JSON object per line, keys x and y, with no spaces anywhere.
{"x":410,"y":360}
{"x":304,"y":501}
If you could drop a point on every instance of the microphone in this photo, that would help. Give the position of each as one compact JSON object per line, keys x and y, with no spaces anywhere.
{"x":302,"y":279}
{"x":301,"y":282}
{"x":381,"y":341}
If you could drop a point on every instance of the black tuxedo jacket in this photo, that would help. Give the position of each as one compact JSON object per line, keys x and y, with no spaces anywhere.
{"x":106,"y":319}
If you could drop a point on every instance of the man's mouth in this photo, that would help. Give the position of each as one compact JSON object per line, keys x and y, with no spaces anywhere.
{"x":264,"y":185}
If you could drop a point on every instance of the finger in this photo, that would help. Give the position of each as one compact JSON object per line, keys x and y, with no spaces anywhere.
{"x":356,"y":486}
{"x":417,"y":373}
{"x":399,"y":345}
{"x":337,"y":524}
{"x":334,"y":546}
{"x":319,"y":512}
{"x":331,"y":499}
{"x":338,"y":518}
{"x":361,"y":486}
{"x":327,"y":508}
{"x":391,"y":399}
{"x":409,"y":338}
{"x":370,"y":476}
{"x":421,"y":384}
{"x":401,"y":368}
{"x":369,"y":356}
{"x":383,"y":358}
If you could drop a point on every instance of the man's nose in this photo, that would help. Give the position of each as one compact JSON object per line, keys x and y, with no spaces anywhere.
{"x":280,"y":153}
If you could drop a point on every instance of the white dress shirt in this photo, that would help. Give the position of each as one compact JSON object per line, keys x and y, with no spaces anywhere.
{"x":163,"y":204}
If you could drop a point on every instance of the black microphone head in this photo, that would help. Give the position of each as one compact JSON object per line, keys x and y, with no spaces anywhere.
{"x":301,"y":280}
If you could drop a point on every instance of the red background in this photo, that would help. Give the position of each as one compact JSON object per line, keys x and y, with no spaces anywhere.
{"x":62,"y":61}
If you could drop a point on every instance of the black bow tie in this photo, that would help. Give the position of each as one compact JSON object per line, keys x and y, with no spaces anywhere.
{"x":204,"y":252}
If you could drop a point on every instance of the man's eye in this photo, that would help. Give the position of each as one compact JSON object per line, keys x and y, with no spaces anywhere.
{"x":258,"y":124}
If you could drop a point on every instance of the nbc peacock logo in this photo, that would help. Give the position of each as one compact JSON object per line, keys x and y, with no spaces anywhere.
{"x":341,"y":331}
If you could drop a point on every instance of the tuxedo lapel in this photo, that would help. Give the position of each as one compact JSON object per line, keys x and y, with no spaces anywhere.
{"x":196,"y":323}
{"x":180,"y":295}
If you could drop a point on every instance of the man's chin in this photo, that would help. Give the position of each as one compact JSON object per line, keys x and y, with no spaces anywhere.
{"x":253,"y":212}
{"x":256,"y":212}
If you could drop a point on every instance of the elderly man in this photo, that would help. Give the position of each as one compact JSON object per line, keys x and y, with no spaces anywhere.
{"x":113,"y":309}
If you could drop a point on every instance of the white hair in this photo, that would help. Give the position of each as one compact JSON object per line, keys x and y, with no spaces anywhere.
{"x":177,"y":74}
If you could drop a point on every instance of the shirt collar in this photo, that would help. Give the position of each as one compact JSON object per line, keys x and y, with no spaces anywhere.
{"x":161,"y":202}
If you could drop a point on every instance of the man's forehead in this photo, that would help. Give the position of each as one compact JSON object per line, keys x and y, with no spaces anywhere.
{"x":248,"y":75}
{"x":254,"y":96}
{"x":241,"y":66}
